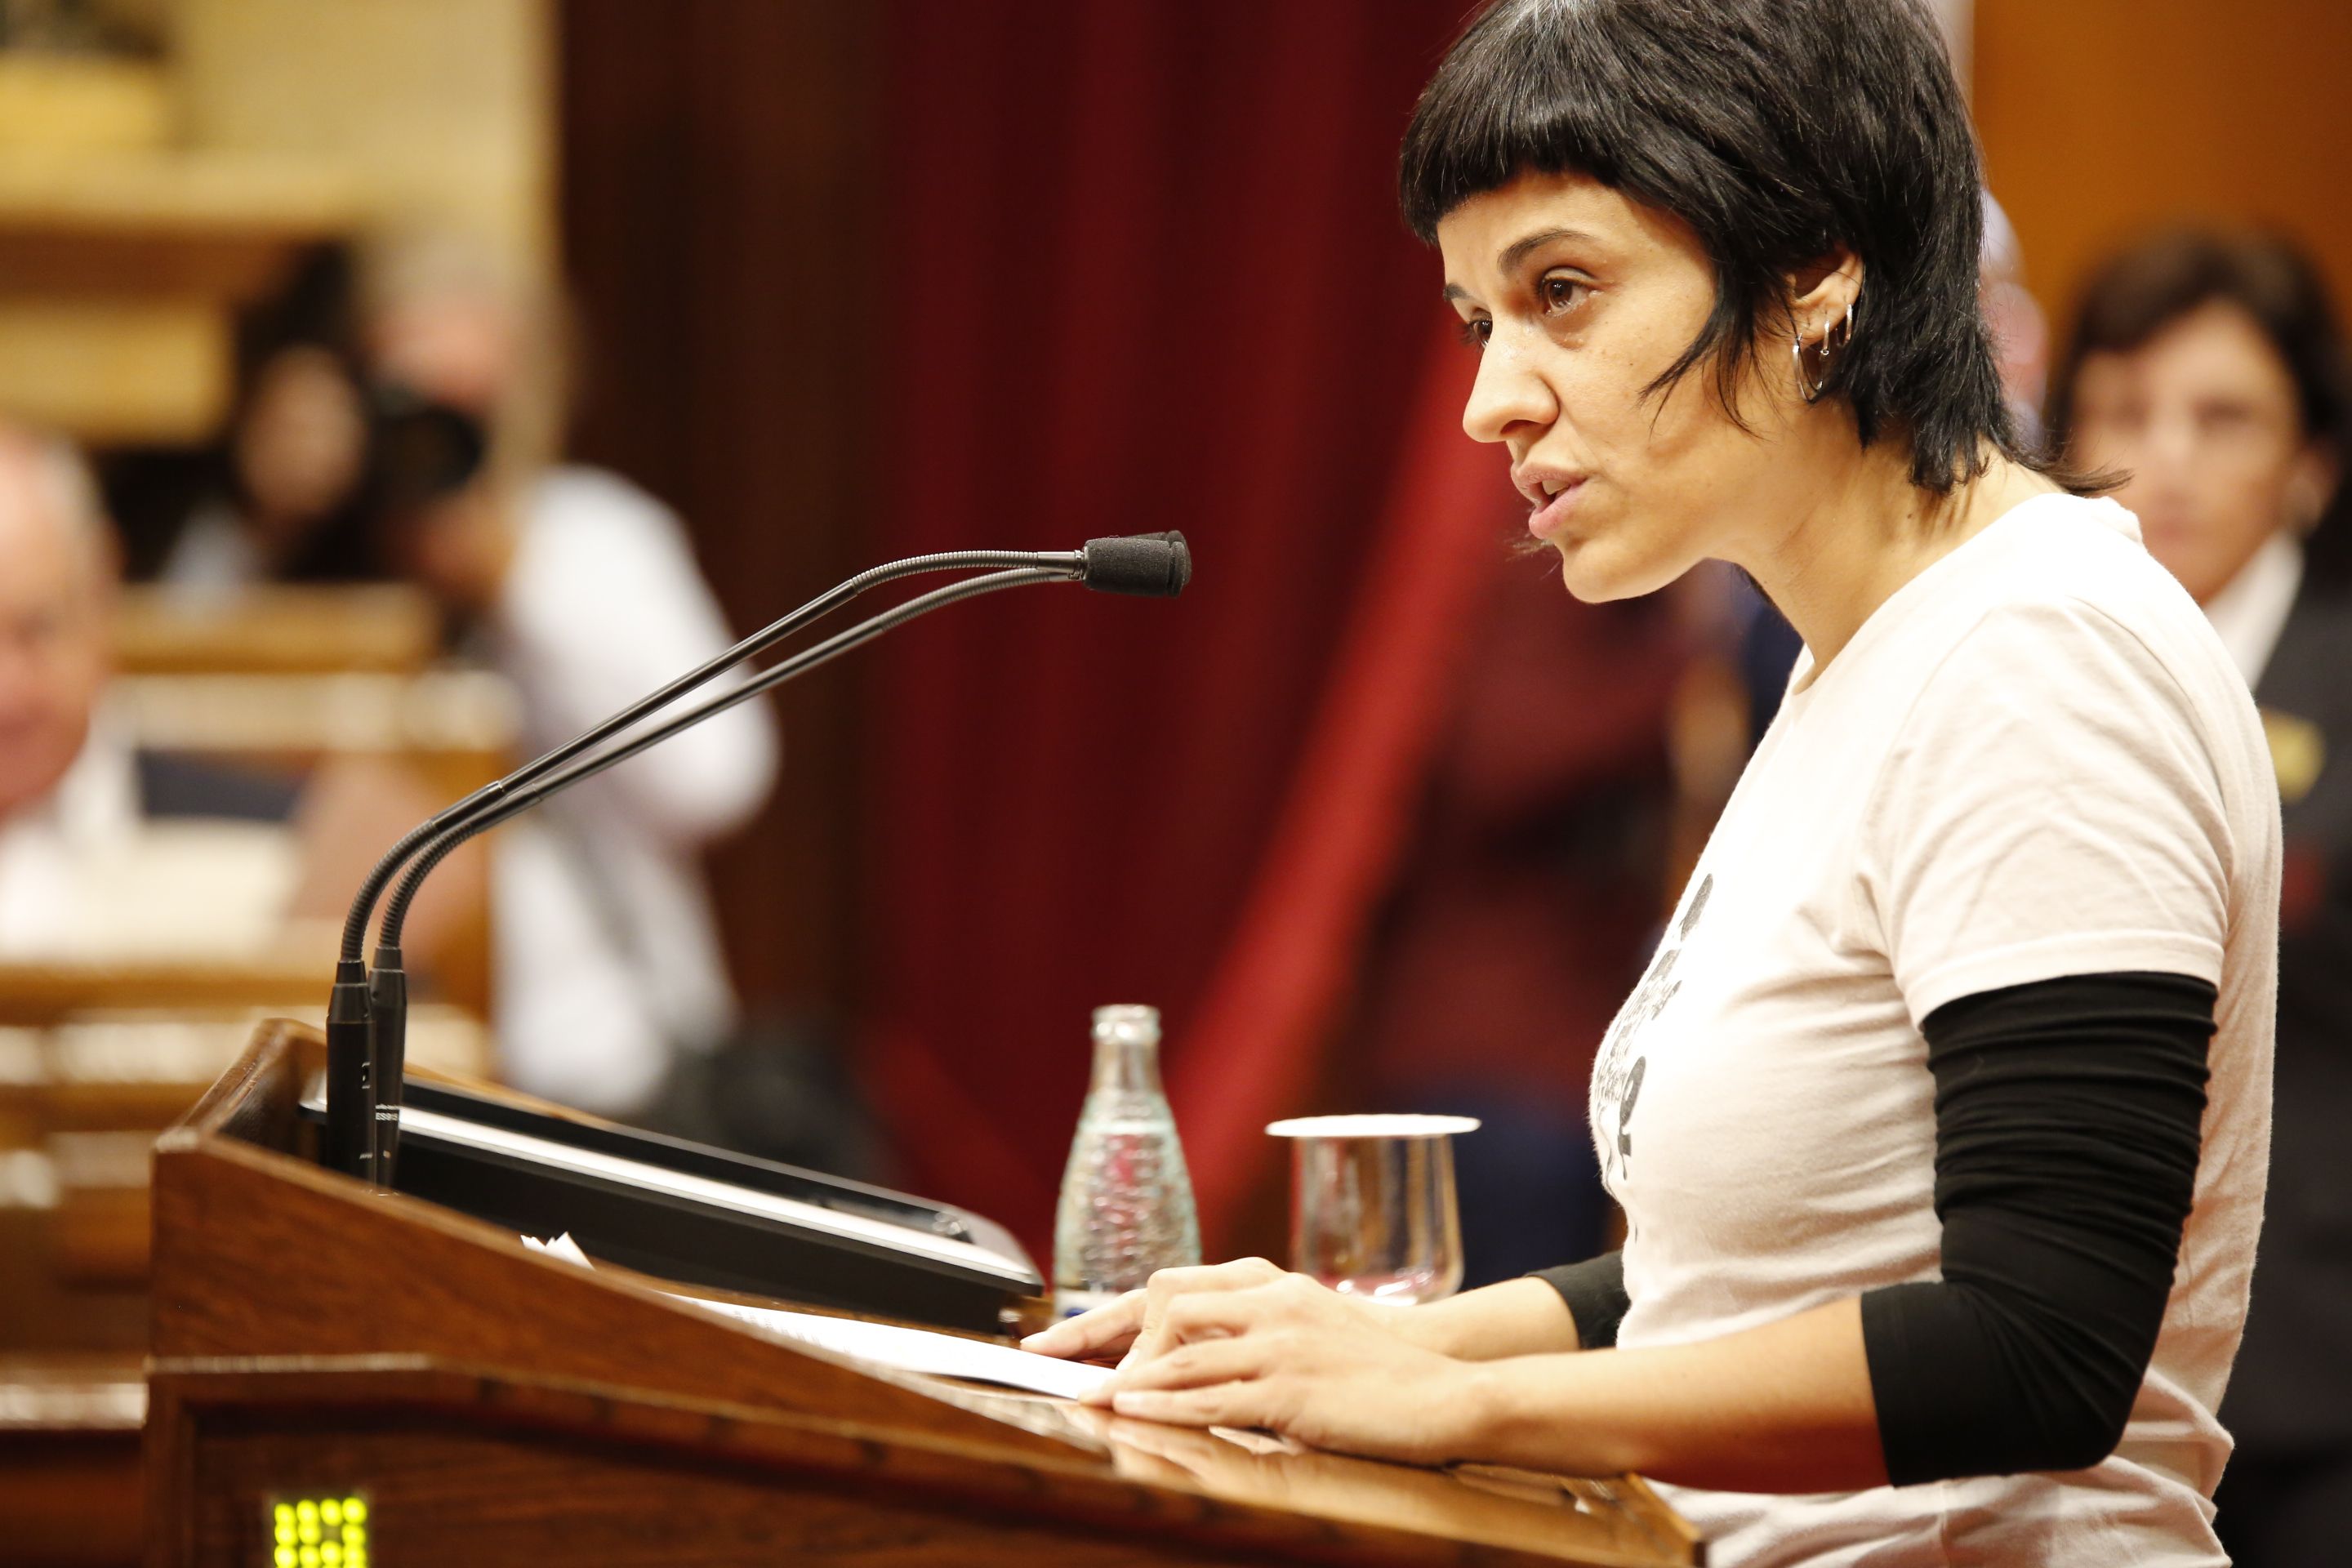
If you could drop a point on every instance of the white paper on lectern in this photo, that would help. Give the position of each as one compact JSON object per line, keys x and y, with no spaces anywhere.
{"x":562,"y":1246}
{"x":886,"y":1344}
{"x":919,"y":1350}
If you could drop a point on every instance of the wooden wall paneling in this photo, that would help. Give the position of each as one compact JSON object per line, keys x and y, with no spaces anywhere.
{"x":2102,"y":118}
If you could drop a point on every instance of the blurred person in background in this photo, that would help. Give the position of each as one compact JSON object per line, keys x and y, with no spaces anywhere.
{"x":579,"y":588}
{"x":2208,"y":368}
{"x":2020,"y":333}
{"x":583,"y":591}
{"x":285,"y":493}
{"x":106,"y":851}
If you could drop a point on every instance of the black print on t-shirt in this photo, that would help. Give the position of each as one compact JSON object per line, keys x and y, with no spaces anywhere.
{"x":1617,"y":1073}
{"x":1625,"y":1111}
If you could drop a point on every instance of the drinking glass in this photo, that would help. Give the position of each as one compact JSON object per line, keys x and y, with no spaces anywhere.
{"x":1372,"y":1210}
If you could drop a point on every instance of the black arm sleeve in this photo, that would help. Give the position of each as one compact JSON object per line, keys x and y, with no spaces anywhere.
{"x":2068,"y":1120}
{"x":1595,"y":1293}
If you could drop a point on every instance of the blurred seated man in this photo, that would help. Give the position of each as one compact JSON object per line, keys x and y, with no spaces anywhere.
{"x":105,"y":852}
{"x":2207,"y":367}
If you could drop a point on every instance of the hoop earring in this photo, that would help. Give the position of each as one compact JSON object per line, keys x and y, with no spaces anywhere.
{"x":1807,"y":387}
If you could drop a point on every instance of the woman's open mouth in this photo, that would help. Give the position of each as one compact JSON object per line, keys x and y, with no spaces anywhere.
{"x":1550,"y":507}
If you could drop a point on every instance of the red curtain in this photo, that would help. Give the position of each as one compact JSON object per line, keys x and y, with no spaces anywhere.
{"x":1143,"y":270}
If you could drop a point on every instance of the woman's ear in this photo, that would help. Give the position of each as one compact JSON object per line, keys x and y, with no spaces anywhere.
{"x":2311,"y":487}
{"x":1823,"y":292}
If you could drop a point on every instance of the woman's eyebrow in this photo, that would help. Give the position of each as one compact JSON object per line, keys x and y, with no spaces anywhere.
{"x":1518,"y":249}
{"x":1516,"y":252}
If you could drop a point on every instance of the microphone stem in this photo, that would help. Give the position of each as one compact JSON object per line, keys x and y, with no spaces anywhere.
{"x":369,"y":1107}
{"x":396,"y":912}
{"x":1054,"y":563}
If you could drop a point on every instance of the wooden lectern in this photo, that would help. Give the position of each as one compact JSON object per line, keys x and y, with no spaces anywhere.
{"x":346,"y":1377}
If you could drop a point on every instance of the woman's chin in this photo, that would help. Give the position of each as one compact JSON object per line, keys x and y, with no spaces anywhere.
{"x":1595,"y":574}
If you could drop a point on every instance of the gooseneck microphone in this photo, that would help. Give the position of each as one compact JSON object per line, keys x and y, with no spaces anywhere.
{"x":367,"y":1010}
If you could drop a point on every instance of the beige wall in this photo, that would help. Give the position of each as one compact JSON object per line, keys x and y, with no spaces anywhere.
{"x":445,"y":109}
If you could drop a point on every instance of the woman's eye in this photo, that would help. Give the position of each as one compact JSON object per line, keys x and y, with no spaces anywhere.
{"x":1475,"y":331}
{"x":1559,"y":295}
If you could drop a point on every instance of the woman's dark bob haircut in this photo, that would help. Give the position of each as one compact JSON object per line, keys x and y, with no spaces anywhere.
{"x":1776,"y":130}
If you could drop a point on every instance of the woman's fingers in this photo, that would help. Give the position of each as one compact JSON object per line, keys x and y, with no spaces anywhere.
{"x":1136,"y":1320}
{"x":1194,"y":1365}
{"x":1208,"y":1316}
{"x":1170,"y":1286}
{"x":1254,"y":1404}
{"x":1107,"y":1328}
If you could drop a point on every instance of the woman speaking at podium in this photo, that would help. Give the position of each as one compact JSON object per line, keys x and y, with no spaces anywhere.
{"x":1939,"y":1120}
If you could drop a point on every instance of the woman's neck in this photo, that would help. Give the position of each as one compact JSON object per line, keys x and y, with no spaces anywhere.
{"x":1867,"y":532}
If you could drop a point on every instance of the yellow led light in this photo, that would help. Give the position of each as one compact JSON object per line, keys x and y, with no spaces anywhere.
{"x":308,"y":1530}
{"x":285,"y":1558}
{"x":309,"y":1557}
{"x":285,"y":1530}
{"x":284,"y":1513}
{"x":354,"y":1537}
{"x":331,"y":1555}
{"x":306,"y":1508}
{"x":355,"y":1510}
{"x":330,"y":1512}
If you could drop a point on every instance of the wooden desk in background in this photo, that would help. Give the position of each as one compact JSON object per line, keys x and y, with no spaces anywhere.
{"x":82,"y":1095}
{"x":387,"y":628}
{"x":70,"y":1485}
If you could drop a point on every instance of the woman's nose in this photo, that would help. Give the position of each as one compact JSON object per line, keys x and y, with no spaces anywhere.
{"x":1507,"y":392}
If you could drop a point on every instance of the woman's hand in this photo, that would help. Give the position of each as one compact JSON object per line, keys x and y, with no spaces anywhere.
{"x":1517,"y":1317}
{"x":1128,"y":1328}
{"x":1132,"y":1330}
{"x":1247,"y":1345}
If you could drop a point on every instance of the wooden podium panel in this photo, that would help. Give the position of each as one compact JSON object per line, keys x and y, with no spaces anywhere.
{"x":318,"y":1340}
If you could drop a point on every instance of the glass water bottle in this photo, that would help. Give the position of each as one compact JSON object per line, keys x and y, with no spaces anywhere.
{"x":1127,"y":1199}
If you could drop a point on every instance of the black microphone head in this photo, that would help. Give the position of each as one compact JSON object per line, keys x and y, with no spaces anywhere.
{"x":1155,"y":566}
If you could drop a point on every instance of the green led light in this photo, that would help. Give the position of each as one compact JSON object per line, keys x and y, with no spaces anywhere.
{"x":318,"y":1531}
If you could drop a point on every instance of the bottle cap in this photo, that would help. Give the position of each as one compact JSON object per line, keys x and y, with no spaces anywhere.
{"x":1128,"y":1021}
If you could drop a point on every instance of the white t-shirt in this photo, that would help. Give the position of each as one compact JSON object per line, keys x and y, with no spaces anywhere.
{"x":2034,"y":760}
